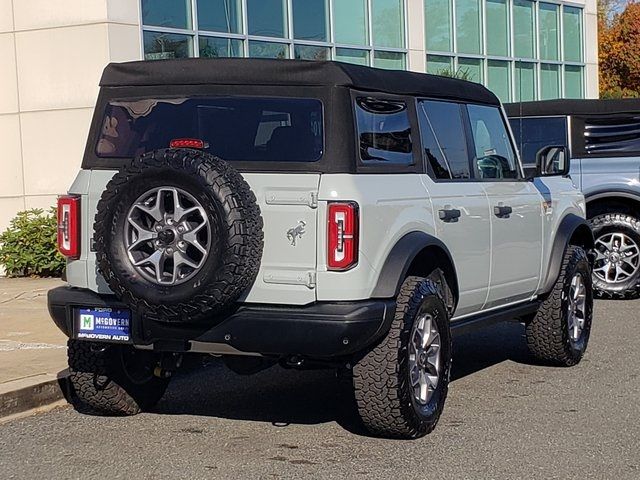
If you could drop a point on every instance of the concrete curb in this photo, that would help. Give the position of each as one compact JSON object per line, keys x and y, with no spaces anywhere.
{"x":18,"y":396}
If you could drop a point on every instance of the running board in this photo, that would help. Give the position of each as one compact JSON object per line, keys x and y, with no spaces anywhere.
{"x":481,"y":320}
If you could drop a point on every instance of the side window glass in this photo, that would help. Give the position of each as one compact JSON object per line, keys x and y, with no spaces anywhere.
{"x":494,"y":157}
{"x":533,"y":134}
{"x":443,"y":139}
{"x":384,"y":131}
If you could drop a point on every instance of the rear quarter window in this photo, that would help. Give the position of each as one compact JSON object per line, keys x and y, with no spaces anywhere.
{"x":384,"y":132}
{"x":233,"y":128}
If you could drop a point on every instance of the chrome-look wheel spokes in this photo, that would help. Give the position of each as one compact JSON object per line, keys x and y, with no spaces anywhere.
{"x":576,"y":306}
{"x":424,"y":358}
{"x":617,"y":257}
{"x":167,"y":235}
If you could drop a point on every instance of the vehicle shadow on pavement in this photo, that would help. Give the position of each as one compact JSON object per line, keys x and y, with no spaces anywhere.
{"x":484,"y":348}
{"x":282,"y":396}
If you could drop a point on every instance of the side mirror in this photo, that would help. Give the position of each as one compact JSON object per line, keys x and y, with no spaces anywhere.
{"x":552,"y":160}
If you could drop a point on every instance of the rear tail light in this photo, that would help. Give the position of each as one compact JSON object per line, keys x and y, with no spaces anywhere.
{"x":343,"y":235}
{"x":69,"y":226}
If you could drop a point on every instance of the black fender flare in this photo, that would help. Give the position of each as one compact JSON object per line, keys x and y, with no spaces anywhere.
{"x":612,"y":192}
{"x":399,"y":260}
{"x":569,"y":225}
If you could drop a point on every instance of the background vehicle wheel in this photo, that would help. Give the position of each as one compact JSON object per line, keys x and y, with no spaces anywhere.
{"x":559,"y":332}
{"x":178,"y":235}
{"x":616,"y":270}
{"x":113,"y":379}
{"x":401,"y":385}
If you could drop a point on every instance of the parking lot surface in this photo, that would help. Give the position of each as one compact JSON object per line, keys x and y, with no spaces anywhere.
{"x":505,"y":417}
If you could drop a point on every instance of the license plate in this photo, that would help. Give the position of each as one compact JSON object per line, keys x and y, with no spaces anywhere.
{"x":103,"y":324}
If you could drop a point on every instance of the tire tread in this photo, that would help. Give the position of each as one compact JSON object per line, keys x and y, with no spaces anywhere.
{"x":546,"y":333}
{"x":96,"y":387}
{"x":380,"y":387}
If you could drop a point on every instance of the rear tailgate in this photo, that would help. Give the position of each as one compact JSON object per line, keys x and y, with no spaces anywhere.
{"x":288,"y":203}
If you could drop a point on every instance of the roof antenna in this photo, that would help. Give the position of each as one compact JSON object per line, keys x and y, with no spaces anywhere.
{"x":519,"y":66}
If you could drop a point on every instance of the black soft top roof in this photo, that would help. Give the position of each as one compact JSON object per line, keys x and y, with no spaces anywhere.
{"x":573,"y":107}
{"x":253,"y":71}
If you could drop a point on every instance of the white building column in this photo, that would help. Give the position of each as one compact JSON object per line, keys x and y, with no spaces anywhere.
{"x":417,"y":61}
{"x":53,"y":58}
{"x":591,"y":87}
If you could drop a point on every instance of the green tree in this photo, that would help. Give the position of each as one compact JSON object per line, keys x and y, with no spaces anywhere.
{"x":460,"y":73}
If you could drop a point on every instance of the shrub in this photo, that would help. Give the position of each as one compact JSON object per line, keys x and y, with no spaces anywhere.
{"x":460,"y":74}
{"x":28,"y":246}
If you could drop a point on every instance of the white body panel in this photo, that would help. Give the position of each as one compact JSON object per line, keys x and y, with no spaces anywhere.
{"x":516,"y":241}
{"x":468,"y":239}
{"x":287,"y":273}
{"x":390,"y":206}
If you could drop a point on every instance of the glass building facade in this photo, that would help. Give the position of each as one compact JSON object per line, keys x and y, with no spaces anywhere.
{"x":367,"y":32}
{"x":520,"y":49}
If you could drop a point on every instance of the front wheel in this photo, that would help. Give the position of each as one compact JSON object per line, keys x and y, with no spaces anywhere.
{"x":113,"y":379}
{"x":559,"y":332}
{"x":401,"y":385}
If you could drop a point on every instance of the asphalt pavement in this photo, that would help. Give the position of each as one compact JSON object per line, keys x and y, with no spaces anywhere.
{"x":505,"y":417}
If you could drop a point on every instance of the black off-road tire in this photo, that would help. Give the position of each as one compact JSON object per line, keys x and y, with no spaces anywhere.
{"x":630,"y":226}
{"x":100,"y":384}
{"x":384,"y":400}
{"x":236,"y":235}
{"x":547,"y":333}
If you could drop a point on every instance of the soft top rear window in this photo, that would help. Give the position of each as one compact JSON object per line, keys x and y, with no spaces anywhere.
{"x":234,"y":128}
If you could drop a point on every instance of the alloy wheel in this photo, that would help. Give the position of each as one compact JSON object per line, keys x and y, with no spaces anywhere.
{"x":167,"y":235}
{"x":617,"y":257}
{"x":425,"y":363}
{"x":576,"y":306}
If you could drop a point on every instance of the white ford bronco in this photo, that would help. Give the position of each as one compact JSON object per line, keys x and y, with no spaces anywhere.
{"x":310,"y":214}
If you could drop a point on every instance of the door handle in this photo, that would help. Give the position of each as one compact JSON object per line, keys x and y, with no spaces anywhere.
{"x":502,"y":211}
{"x":448,"y":214}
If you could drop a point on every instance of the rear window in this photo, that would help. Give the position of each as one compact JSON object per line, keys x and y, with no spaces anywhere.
{"x":233,"y":128}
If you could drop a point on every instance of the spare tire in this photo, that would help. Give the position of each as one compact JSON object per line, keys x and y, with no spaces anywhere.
{"x":178,"y":235}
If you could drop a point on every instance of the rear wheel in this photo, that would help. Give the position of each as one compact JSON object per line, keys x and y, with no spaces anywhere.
{"x":401,"y":384}
{"x":616,"y":269}
{"x":113,"y":379}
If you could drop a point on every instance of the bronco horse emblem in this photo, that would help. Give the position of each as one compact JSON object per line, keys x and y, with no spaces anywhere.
{"x":296,"y":232}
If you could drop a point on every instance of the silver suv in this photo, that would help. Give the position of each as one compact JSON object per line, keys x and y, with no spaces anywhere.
{"x":603,"y":140}
{"x":310,"y":214}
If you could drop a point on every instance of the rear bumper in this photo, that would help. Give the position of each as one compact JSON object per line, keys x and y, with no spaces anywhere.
{"x":320,"y":330}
